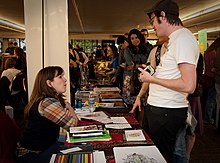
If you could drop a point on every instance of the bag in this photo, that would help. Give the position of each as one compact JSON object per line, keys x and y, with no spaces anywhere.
{"x":135,"y":83}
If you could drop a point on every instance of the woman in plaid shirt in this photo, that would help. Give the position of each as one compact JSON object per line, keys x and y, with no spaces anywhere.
{"x":46,"y":112}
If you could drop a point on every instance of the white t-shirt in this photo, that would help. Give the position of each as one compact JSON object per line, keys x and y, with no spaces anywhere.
{"x":182,"y":48}
{"x":10,"y":74}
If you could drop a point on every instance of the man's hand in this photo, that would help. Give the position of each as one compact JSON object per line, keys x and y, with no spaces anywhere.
{"x":145,"y":76}
{"x":136,"y":104}
{"x":113,"y":79}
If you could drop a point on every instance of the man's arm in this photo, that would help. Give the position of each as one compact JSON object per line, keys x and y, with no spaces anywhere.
{"x":186,"y":83}
{"x":86,"y":59}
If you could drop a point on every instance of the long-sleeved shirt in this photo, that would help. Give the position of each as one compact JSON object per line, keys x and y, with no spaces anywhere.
{"x":45,"y":119}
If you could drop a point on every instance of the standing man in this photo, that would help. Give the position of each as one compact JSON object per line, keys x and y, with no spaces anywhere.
{"x":122,"y":42}
{"x":174,"y":79}
{"x":144,"y":32}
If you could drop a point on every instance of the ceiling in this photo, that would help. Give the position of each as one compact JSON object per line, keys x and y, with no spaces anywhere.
{"x":116,"y":16}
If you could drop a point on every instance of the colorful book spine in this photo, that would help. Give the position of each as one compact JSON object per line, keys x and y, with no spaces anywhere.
{"x":74,"y":158}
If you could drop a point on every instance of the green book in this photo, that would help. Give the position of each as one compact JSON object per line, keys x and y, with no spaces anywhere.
{"x":105,"y":137}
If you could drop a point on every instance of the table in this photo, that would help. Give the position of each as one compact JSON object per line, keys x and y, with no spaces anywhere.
{"x":117,"y":135}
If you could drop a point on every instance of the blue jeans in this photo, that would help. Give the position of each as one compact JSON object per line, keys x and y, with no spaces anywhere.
{"x":179,"y":154}
{"x":210,"y":105}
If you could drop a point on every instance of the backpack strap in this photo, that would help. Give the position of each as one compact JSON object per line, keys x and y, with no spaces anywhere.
{"x":157,"y":55}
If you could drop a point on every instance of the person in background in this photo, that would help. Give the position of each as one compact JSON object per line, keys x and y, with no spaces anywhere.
{"x":174,"y":79}
{"x":141,"y":98}
{"x":122,"y":41}
{"x":99,"y":53}
{"x":74,"y":68}
{"x":195,"y":104}
{"x":217,"y":86}
{"x":10,"y":71}
{"x":83,"y":59}
{"x":45,"y":113}
{"x":113,"y":53}
{"x":10,"y":48}
{"x":15,"y":44}
{"x":91,"y":67}
{"x":209,"y":81}
{"x":21,"y":63}
{"x":144,"y":32}
{"x":135,"y":55}
{"x":6,"y":81}
{"x":126,"y":35}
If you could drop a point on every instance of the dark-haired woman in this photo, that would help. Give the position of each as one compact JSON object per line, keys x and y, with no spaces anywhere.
{"x":135,"y":55}
{"x":21,"y":63}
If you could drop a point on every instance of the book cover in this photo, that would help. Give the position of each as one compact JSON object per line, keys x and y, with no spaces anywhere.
{"x":79,"y":135}
{"x":86,"y":129}
{"x":99,"y":157}
{"x":93,"y":115}
{"x":138,"y":154}
{"x":105,"y":137}
{"x":134,"y":135}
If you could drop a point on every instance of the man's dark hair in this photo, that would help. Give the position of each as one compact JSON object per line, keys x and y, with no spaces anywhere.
{"x":171,"y":19}
{"x":171,"y":10}
{"x":70,"y":46}
{"x":145,"y":30}
{"x":121,"y":39}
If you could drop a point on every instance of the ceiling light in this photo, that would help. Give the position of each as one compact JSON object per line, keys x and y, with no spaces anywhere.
{"x":210,"y":30}
{"x":10,"y":25}
{"x":201,"y":12}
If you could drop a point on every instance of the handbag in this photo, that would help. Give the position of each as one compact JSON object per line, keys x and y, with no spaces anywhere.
{"x":135,"y":84}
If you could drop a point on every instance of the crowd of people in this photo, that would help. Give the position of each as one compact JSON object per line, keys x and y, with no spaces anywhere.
{"x":164,"y":80}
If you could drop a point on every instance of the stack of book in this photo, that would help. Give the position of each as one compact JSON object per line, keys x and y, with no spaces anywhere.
{"x":88,"y":133}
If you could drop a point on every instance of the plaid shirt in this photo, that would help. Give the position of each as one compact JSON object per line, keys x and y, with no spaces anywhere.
{"x":51,"y":109}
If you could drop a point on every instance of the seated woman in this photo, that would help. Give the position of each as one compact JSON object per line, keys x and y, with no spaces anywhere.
{"x":10,"y":71}
{"x":46,"y":112}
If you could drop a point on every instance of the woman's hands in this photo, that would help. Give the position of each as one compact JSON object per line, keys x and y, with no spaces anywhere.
{"x":71,"y":110}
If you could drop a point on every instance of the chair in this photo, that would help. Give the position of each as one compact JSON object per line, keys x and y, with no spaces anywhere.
{"x":4,"y":93}
{"x":19,"y":84}
{"x":19,"y":96}
{"x":9,"y":136}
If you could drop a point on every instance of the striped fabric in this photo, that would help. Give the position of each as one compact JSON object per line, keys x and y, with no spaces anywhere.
{"x":51,"y":109}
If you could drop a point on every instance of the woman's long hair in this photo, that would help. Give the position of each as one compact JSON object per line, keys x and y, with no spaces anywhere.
{"x":141,"y":47}
{"x":42,"y":90}
{"x":114,"y":50}
{"x":214,"y":46}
